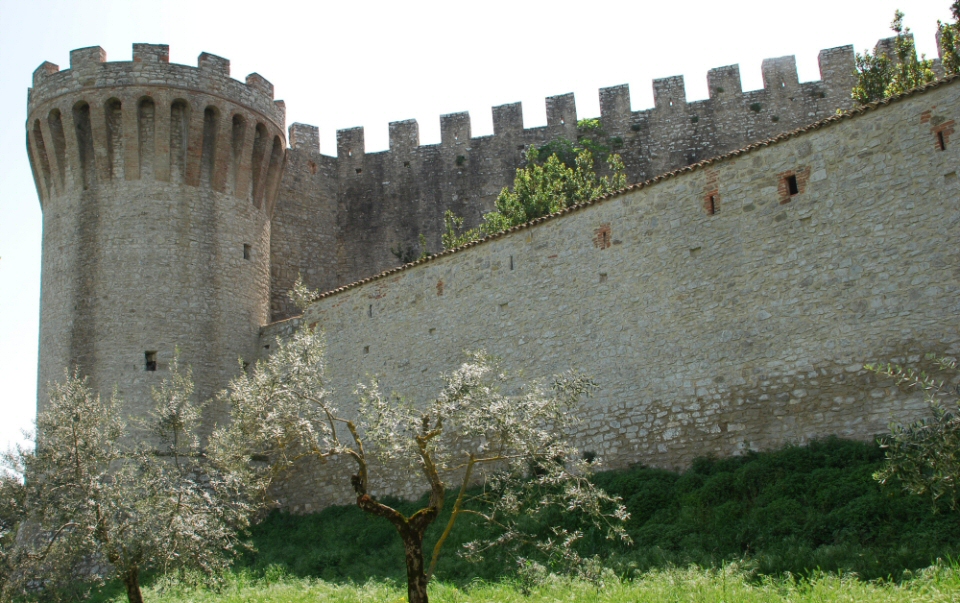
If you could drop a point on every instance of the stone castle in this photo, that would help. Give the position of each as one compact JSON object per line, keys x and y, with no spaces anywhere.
{"x":727,"y":302}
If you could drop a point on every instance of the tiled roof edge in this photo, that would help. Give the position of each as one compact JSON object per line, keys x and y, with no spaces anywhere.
{"x":655,"y":180}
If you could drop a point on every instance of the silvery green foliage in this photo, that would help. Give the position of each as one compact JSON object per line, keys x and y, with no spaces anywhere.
{"x":924,"y":457}
{"x":280,"y":413}
{"x":516,"y":443}
{"x":12,"y":498}
{"x":109,"y":501}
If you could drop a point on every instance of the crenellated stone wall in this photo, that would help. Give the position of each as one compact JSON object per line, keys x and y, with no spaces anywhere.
{"x":157,"y":184}
{"x":710,"y":332}
{"x":361,"y":205}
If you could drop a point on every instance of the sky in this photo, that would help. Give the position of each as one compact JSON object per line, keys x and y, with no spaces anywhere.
{"x":353,"y":63}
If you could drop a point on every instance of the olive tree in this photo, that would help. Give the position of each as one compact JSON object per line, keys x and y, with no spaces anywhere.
{"x":107,"y":499}
{"x":471,"y":432}
{"x":924,"y":457}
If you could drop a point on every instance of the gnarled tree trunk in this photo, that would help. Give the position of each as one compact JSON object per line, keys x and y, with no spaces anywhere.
{"x":416,"y":577}
{"x":131,"y":579}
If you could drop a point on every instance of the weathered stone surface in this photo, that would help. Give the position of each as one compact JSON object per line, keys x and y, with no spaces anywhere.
{"x":710,"y":334}
{"x":157,"y":182}
{"x":726,"y":306}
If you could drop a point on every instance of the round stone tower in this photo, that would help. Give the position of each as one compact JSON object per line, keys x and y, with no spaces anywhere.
{"x":157,"y":183}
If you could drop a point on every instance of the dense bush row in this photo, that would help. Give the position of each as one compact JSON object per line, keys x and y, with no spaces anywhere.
{"x":794,"y":510}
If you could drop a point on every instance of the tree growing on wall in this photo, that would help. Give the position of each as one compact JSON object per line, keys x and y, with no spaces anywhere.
{"x":547,"y":184}
{"x":923,"y":458}
{"x":116,"y":501}
{"x":880,"y":76}
{"x":517,"y":445}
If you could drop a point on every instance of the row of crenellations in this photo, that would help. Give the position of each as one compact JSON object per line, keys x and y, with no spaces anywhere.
{"x":151,"y":67}
{"x":781,"y":88}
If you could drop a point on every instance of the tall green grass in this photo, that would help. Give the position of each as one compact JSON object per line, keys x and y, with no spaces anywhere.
{"x":729,"y":584}
{"x":797,"y":510}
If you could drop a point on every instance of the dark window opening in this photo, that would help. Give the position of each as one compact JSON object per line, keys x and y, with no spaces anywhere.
{"x":370,"y":310}
{"x":406,"y":164}
{"x":150,"y":361}
{"x":366,"y":349}
{"x":247,"y":251}
{"x":511,"y":262}
{"x":712,"y":205}
{"x":941,"y":142}
{"x":359,"y":170}
{"x":792,"y":185}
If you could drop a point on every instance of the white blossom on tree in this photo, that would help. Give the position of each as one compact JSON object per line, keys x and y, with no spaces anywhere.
{"x":107,"y":500}
{"x":517,"y":444}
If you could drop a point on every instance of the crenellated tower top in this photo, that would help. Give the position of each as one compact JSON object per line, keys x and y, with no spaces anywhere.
{"x":148,"y":118}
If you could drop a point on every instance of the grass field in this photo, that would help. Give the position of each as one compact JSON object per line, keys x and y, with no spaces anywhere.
{"x":725,"y":585}
{"x":799,"y":524}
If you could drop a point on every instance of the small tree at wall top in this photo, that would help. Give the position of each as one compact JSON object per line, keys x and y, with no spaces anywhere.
{"x":880,"y":76}
{"x":516,"y":445}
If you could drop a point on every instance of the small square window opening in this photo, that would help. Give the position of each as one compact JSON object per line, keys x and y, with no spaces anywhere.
{"x":792,"y":185}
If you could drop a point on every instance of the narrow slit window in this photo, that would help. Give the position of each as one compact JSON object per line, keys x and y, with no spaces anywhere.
{"x":150,"y":361}
{"x":941,"y":142}
{"x":712,"y":205}
{"x":792,"y":185}
{"x":247,"y":251}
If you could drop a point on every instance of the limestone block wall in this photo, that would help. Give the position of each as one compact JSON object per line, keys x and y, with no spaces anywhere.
{"x":354,"y":208}
{"x":724,"y":307}
{"x":157,"y":183}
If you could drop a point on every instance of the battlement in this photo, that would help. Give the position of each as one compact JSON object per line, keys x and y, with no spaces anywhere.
{"x":151,"y":66}
{"x":149,"y":119}
{"x":782,"y":96}
{"x":366,"y":205}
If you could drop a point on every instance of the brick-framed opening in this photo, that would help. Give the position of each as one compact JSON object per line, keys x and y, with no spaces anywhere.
{"x":941,"y":128}
{"x":601,"y":237}
{"x":942,"y":134}
{"x":711,"y":203}
{"x":792,"y":183}
{"x":711,"y":193}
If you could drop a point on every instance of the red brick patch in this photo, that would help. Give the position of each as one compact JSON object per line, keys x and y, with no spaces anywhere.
{"x":941,"y":134}
{"x":711,"y":193}
{"x":802,"y":175}
{"x":440,"y":287}
{"x":601,"y":236}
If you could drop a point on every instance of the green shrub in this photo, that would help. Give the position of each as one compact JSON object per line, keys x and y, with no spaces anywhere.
{"x":797,"y":510}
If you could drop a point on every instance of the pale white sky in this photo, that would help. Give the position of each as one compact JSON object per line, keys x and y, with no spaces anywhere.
{"x":343,"y":64}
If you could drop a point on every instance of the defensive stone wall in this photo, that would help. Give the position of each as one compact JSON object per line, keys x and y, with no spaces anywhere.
{"x":157,"y":182}
{"x":724,"y":307}
{"x":338,"y":218}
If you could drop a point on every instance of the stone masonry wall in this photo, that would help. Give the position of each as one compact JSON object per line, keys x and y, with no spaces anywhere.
{"x":710,"y":333}
{"x":157,"y":184}
{"x":354,"y":208}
